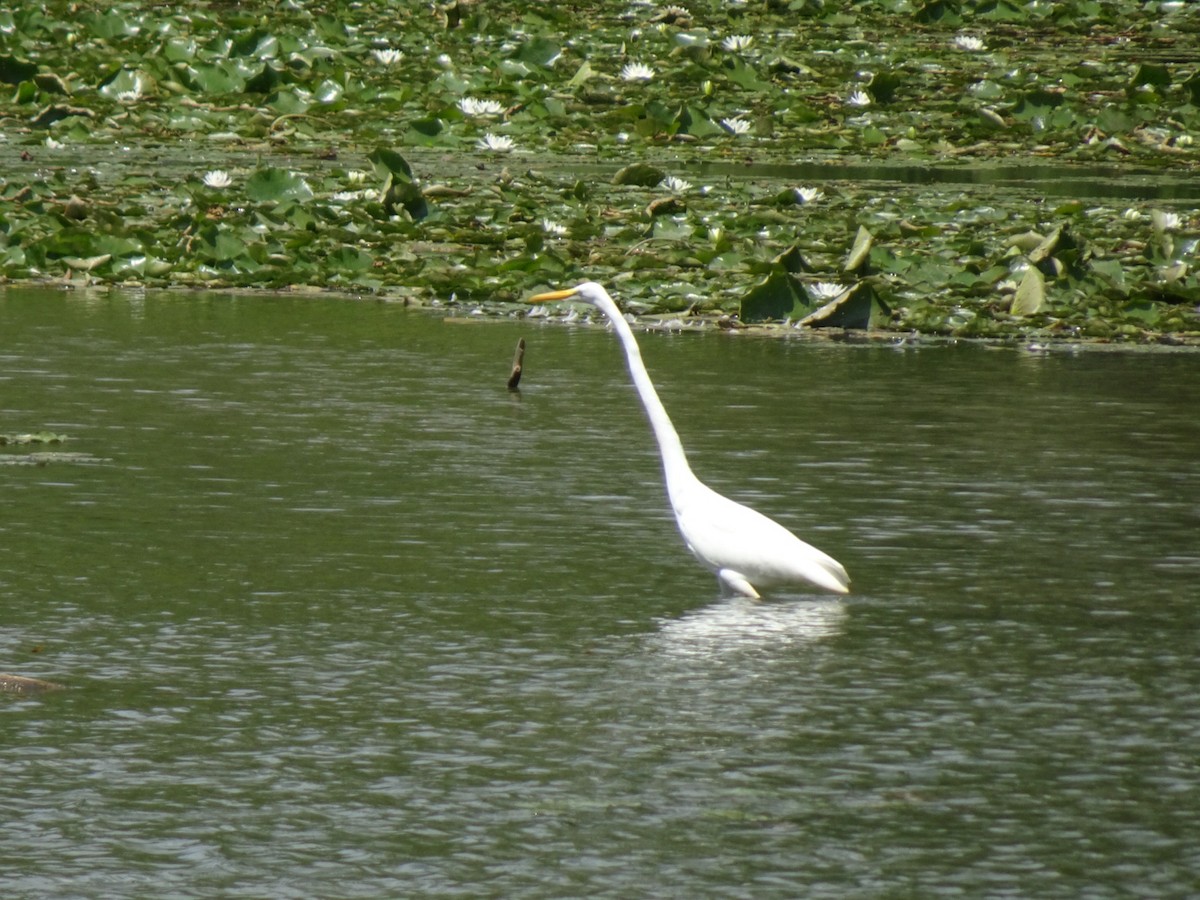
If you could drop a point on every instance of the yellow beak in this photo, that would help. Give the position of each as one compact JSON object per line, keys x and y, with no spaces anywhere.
{"x":551,"y":296}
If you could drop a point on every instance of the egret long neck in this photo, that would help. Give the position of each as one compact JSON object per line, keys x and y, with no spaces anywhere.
{"x":675,"y":464}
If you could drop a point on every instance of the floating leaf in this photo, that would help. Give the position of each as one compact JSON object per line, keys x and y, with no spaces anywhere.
{"x":111,"y":25}
{"x":1150,"y":74}
{"x":859,"y":307}
{"x":14,"y":71}
{"x":288,"y":103}
{"x":86,"y":264}
{"x":778,"y":296}
{"x":390,"y":163}
{"x":1031,"y":293}
{"x":883,"y":86}
{"x":1192,"y":86}
{"x":1038,"y":102}
{"x":273,"y":183}
{"x":667,"y":206}
{"x":745,"y":77}
{"x":639,"y":174}
{"x":350,"y":259}
{"x":860,"y":251}
{"x":264,"y":79}
{"x":515,"y":68}
{"x":220,"y":244}
{"x":400,"y":188}
{"x":1047,"y":246}
{"x":1026,"y":241}
{"x":990,"y":117}
{"x":223,"y":78}
{"x":540,"y":51}
{"x":943,"y":11}
{"x":1002,"y":10}
{"x":57,"y":112}
{"x":425,"y":131}
{"x":692,"y":121}
{"x":582,"y":74}
{"x":792,"y":261}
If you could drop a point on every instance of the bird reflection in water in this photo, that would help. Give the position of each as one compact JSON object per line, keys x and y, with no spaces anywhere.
{"x":740,"y":624}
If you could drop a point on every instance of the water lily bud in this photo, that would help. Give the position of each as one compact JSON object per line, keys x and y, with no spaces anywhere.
{"x":707,"y":87}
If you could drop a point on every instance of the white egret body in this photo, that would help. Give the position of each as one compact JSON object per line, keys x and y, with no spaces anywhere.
{"x":743,"y":548}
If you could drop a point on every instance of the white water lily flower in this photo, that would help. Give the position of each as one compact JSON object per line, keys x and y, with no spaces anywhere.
{"x":497,"y":143}
{"x":859,"y":98}
{"x":826,"y":290}
{"x":967,"y":42}
{"x":472,"y":107}
{"x":676,"y":185}
{"x":738,"y":42}
{"x":808,"y":194}
{"x":130,"y":96}
{"x":52,"y":144}
{"x":736,"y":125}
{"x":637,"y":72}
{"x":387,"y":56}
{"x":1131,"y":214}
{"x":356,"y":176}
{"x":352,"y":196}
{"x":1165,"y":221}
{"x":217,"y":178}
{"x":551,"y":227}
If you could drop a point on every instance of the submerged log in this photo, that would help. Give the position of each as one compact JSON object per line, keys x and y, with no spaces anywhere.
{"x":19,"y":684}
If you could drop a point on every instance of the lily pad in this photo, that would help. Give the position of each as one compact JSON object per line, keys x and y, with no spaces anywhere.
{"x":273,"y":184}
{"x":14,"y":71}
{"x":640,"y":175}
{"x":860,"y":251}
{"x":400,"y":187}
{"x":778,"y":296}
{"x":859,"y":307}
{"x":1031,"y":293}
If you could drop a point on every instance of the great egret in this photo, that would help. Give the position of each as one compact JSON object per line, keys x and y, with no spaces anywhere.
{"x":743,"y":548}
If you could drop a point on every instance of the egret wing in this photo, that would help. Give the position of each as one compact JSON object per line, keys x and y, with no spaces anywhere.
{"x":724,"y":534}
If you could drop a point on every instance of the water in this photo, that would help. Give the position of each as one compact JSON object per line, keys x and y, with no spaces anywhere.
{"x":339,"y":616}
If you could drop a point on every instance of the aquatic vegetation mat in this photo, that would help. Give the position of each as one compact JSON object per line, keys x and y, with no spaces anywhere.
{"x":986,"y":168}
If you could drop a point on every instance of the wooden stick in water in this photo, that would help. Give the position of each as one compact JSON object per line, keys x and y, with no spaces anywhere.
{"x":518,"y":360}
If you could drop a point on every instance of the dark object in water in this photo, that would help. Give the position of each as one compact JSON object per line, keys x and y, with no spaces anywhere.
{"x":19,"y":684}
{"x":518,"y":364}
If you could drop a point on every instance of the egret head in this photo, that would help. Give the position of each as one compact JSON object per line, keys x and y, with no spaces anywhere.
{"x":588,"y":292}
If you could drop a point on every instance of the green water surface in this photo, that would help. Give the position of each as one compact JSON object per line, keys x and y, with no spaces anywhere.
{"x":340,"y":616}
